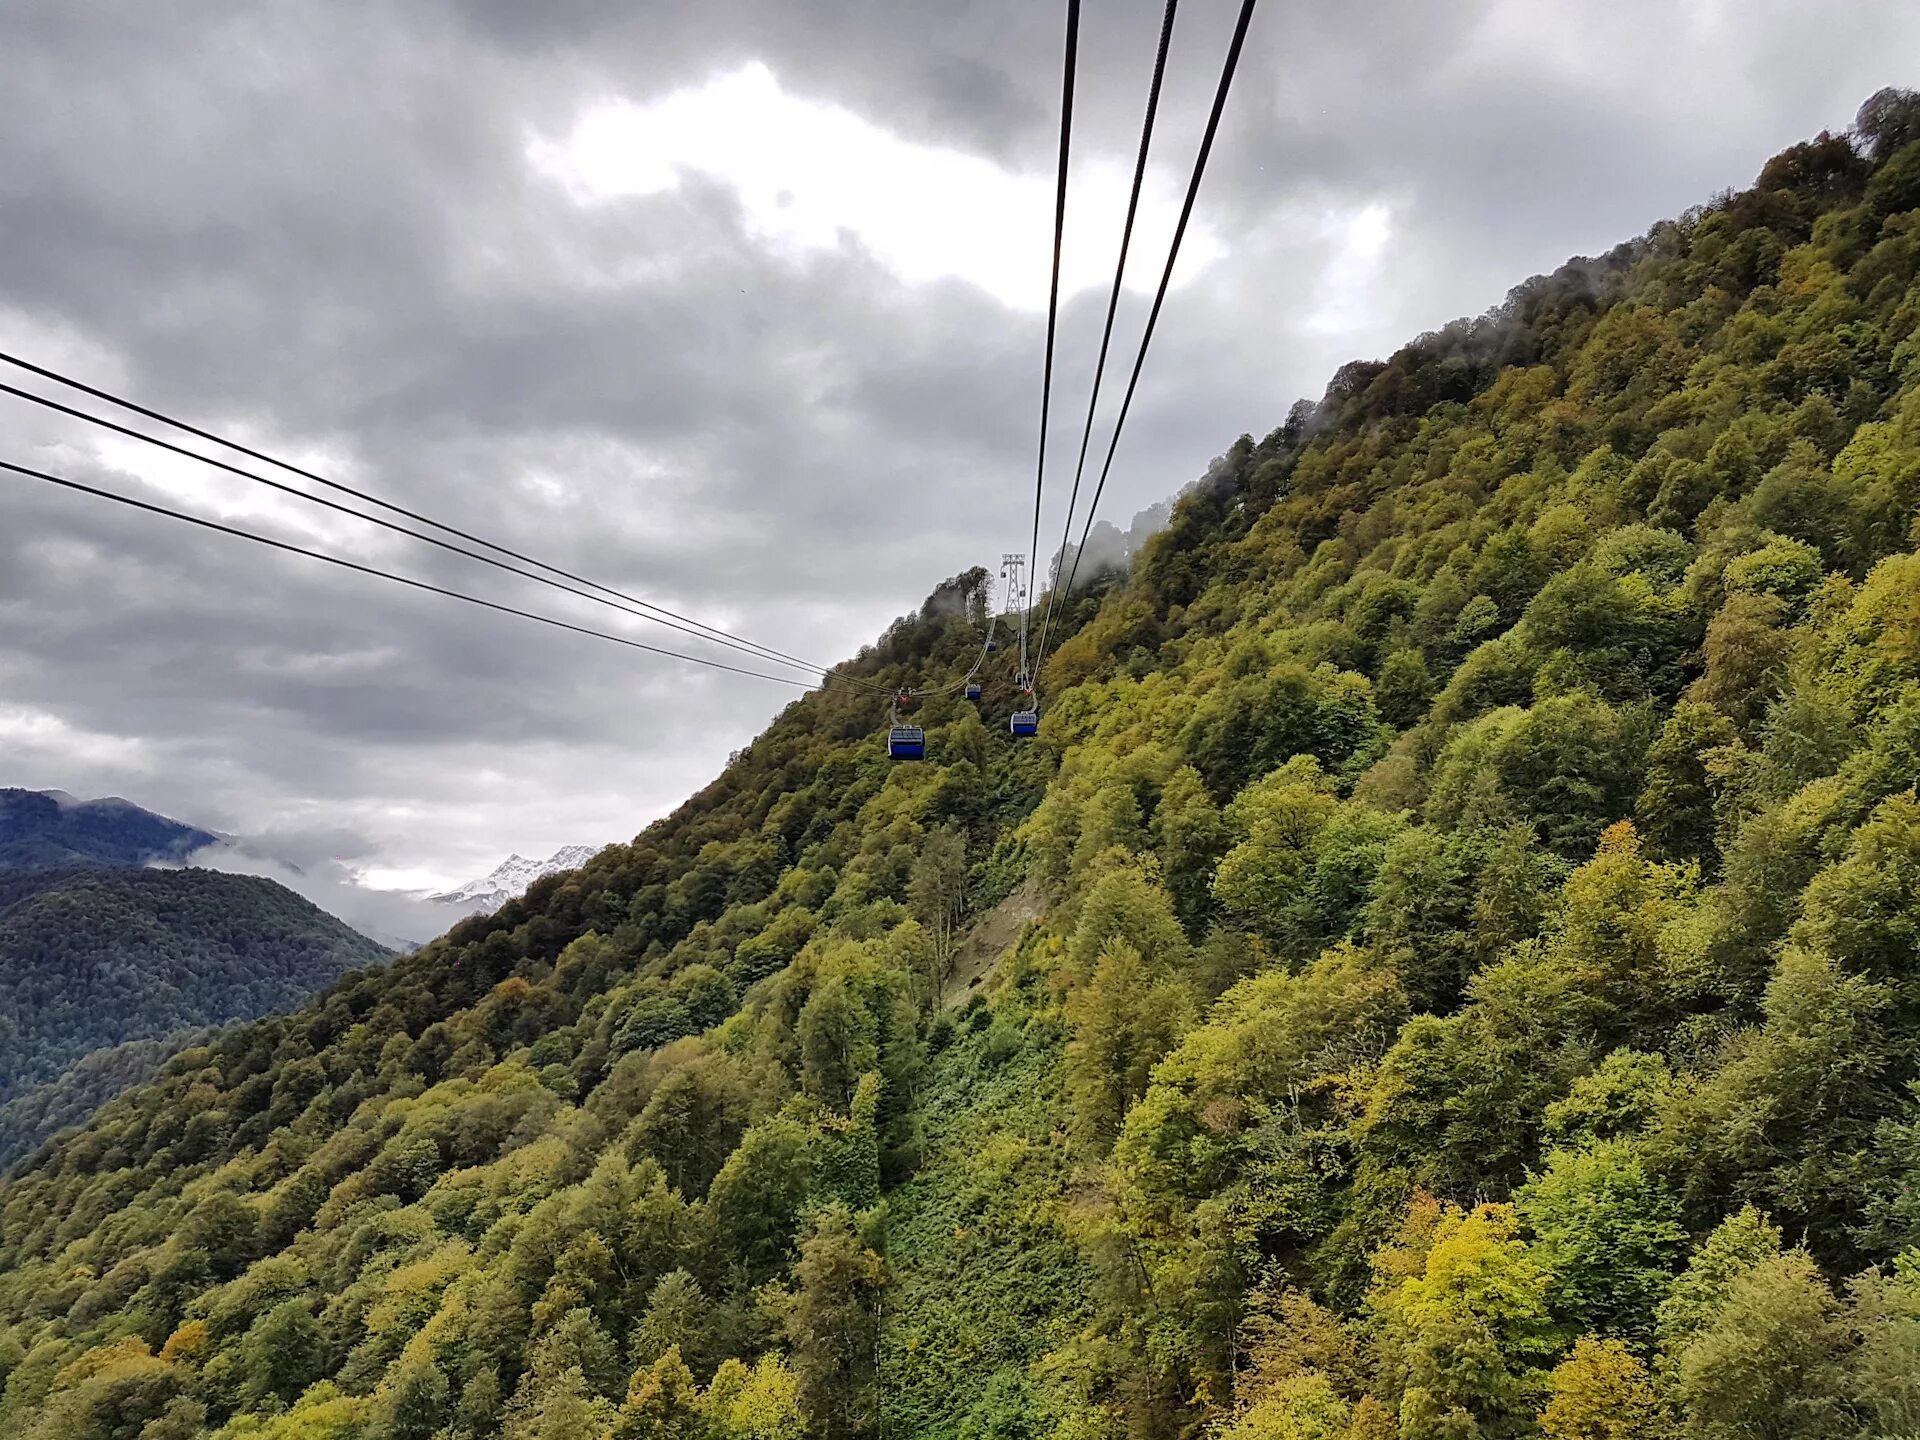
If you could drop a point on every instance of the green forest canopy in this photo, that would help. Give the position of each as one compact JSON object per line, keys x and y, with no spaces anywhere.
{"x":1475,"y":994}
{"x":96,"y":958}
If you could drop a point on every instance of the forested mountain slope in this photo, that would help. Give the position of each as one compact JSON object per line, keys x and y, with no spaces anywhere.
{"x":36,"y":1112}
{"x":45,"y":830}
{"x":93,"y":958}
{"x":1478,"y":993}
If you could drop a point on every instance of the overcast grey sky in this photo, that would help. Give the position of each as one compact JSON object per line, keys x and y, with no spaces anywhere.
{"x":737,"y":305}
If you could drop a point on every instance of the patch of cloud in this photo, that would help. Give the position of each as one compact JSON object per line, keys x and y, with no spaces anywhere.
{"x":394,"y":918}
{"x":812,"y":176}
{"x":1347,"y":295}
{"x":51,"y":341}
{"x":61,"y":443}
{"x":28,"y":732}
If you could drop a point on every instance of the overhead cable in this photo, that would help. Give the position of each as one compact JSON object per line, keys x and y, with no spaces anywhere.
{"x":1113,"y":297}
{"x":711,"y":632}
{"x":384,"y":524}
{"x":354,"y":565}
{"x":1053,"y":298}
{"x":1166,"y":277}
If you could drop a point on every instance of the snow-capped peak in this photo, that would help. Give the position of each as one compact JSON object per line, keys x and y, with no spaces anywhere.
{"x":511,"y":877}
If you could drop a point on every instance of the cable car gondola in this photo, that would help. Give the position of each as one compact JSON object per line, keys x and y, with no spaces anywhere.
{"x":992,"y":645}
{"x":1025,"y":722}
{"x":973,"y":690}
{"x":904,"y":742}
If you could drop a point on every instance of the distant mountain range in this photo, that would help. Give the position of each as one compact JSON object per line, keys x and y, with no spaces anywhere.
{"x":43,"y":829}
{"x":510,"y":879}
{"x":114,"y":954}
{"x":46,"y":829}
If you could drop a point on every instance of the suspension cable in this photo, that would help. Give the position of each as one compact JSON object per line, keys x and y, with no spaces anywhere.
{"x":434,"y":540}
{"x":379,"y":574}
{"x":1166,"y":277}
{"x":1053,"y":300}
{"x":1113,"y":297}
{"x":714,"y":632}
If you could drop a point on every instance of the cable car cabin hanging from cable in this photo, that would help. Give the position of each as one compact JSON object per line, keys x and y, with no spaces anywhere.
{"x":1025,"y":722}
{"x":905,"y":742}
{"x":973,"y":690}
{"x":992,"y":645}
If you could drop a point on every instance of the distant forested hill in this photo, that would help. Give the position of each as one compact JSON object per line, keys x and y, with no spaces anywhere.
{"x":36,"y":1111}
{"x":92,"y":958}
{"x":44,"y":830}
{"x":1464,"y":975}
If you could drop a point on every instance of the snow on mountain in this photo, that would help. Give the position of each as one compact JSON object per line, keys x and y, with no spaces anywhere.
{"x":510,"y":879}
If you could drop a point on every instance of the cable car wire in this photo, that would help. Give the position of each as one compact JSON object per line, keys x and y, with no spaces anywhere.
{"x":714,"y":632}
{"x":1166,"y":277}
{"x":1053,"y":296}
{"x":1113,"y":297}
{"x":322,"y":501}
{"x":377,"y":573}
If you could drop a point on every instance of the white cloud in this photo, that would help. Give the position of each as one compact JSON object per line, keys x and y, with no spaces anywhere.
{"x":27,"y":735}
{"x":71,"y":449}
{"x":812,"y":176}
{"x":1348,"y":296}
{"x":218,"y":495}
{"x":392,"y":918}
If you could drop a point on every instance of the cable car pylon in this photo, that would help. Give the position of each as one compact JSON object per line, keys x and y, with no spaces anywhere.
{"x":1025,"y":720}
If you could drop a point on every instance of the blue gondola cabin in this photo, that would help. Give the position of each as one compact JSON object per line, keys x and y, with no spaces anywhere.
{"x":1025,"y":722}
{"x":907,"y":742}
{"x":973,"y":690}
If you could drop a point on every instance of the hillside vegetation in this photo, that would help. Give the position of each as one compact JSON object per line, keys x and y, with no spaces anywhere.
{"x":36,"y":1112}
{"x":94,"y":958}
{"x":45,"y":831}
{"x":1476,"y":994}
